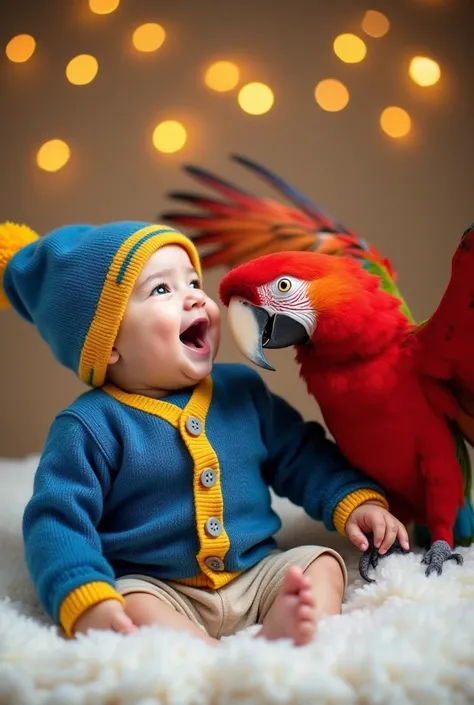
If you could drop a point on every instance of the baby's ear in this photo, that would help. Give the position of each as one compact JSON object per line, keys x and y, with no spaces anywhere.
{"x":114,"y":356}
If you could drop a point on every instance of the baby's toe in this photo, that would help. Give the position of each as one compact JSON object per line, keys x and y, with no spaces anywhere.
{"x":304,"y":632}
{"x":307,"y":597}
{"x":292,"y":580}
{"x":305,"y":613}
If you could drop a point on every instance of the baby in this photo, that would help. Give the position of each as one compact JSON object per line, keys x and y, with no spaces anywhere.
{"x":151,"y":502}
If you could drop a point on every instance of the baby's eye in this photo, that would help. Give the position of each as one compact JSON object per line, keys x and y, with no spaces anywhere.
{"x":195,"y":284}
{"x":160,"y":289}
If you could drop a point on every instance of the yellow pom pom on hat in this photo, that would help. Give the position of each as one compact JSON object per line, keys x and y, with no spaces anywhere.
{"x":13,"y":238}
{"x":74,"y":284}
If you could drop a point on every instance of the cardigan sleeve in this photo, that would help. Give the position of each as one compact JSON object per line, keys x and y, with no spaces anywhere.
{"x":62,"y":544}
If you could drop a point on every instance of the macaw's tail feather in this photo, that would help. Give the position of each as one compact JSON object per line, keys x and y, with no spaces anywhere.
{"x":463,"y":530}
{"x":312,"y":210}
{"x":464,"y":525}
{"x":238,"y":226}
{"x":304,"y":211}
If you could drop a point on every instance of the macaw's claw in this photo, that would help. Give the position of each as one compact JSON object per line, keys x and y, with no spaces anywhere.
{"x":371,"y":557}
{"x":439,"y":553}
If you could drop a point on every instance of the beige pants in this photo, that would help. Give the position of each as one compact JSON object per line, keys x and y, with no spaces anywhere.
{"x":243,"y":602}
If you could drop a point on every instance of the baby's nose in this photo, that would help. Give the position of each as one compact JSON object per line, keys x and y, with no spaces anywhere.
{"x":196,"y":298}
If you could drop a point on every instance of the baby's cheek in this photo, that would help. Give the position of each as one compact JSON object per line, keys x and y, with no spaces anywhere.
{"x":163,"y":332}
{"x":213,"y":311}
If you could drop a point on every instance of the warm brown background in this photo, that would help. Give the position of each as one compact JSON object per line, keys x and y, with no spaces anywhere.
{"x":411,"y":198}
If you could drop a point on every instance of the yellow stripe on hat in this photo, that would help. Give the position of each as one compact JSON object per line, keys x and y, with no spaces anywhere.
{"x":119,"y":282}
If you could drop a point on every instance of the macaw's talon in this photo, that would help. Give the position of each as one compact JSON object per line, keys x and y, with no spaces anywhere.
{"x":371,"y":557}
{"x":438,"y":554}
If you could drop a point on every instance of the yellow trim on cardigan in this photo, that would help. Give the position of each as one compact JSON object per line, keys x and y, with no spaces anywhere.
{"x":80,"y":599}
{"x":353,"y":500}
{"x":208,"y":501}
{"x":118,"y":285}
{"x":156,"y":407}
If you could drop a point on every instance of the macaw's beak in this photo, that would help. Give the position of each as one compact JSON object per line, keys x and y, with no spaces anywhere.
{"x":254,"y":328}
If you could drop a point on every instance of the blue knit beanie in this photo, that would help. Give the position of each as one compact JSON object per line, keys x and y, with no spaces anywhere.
{"x":75,"y":282}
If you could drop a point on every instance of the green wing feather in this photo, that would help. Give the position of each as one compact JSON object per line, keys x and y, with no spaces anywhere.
{"x":388,"y":285}
{"x":464,"y":459}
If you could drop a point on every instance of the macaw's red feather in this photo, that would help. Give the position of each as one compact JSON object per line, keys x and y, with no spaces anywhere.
{"x":446,"y":341}
{"x":387,"y":420}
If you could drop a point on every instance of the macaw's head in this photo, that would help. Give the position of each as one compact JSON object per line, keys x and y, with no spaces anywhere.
{"x":327,"y":304}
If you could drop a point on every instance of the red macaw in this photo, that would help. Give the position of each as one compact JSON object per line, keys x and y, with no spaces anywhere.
{"x":398,"y":398}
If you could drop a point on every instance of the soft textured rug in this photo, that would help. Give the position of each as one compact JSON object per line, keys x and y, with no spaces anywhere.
{"x":405,"y":639}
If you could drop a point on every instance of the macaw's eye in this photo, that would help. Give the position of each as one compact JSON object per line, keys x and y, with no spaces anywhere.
{"x":284,"y":285}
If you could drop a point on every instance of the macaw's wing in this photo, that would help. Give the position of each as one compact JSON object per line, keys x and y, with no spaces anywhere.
{"x":243,"y":226}
{"x":445,"y":342}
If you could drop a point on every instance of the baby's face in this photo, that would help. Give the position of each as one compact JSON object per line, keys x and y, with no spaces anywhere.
{"x":170,"y":333}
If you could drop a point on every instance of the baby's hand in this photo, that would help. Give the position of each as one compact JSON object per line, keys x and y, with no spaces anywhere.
{"x":108,"y":614}
{"x":369,"y":517}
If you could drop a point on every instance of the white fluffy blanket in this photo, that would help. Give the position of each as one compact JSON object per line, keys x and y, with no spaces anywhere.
{"x":405,"y":639}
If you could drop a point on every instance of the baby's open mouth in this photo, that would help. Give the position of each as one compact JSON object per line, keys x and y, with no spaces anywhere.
{"x":194,"y":337}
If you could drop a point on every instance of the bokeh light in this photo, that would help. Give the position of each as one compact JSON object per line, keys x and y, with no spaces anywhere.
{"x":82,"y":69}
{"x":103,"y":7}
{"x":349,"y":48}
{"x":20,"y":48}
{"x":395,"y":122}
{"x":375,"y":24}
{"x":331,"y":95}
{"x":148,"y":37}
{"x":222,"y":76}
{"x":256,"y":98}
{"x":424,"y":71}
{"x":169,"y":136}
{"x":53,"y":155}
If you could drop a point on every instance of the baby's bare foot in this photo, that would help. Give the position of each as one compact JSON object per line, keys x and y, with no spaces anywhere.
{"x":292,"y":615}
